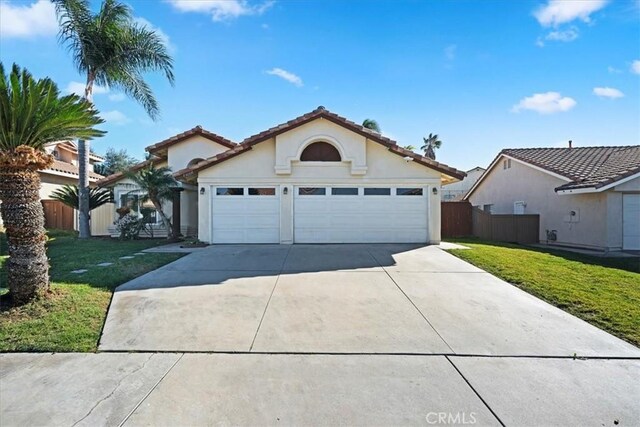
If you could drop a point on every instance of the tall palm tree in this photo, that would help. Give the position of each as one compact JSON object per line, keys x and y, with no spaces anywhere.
{"x":112,"y":51}
{"x":32,"y":114}
{"x":431,"y":143}
{"x":68,"y":194}
{"x":157,"y":185}
{"x":371,"y":124}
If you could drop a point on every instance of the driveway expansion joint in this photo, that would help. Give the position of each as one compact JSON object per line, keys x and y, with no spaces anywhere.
{"x":284,"y":262}
{"x":150,"y":391}
{"x":475,"y":391}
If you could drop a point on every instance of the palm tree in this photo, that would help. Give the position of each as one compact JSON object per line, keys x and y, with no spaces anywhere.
{"x":68,"y":195}
{"x":409,"y":147}
{"x":371,"y":124}
{"x":112,"y":51}
{"x":157,"y":185}
{"x":431,"y":143}
{"x":32,"y":114}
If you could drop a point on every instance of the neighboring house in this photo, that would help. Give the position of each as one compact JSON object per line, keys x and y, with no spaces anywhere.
{"x":63,"y":171}
{"x":586,"y":197}
{"x":65,"y":168}
{"x":319,"y":178}
{"x":455,"y":191}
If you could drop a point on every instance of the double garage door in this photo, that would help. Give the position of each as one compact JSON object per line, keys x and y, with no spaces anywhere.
{"x":321,"y":214}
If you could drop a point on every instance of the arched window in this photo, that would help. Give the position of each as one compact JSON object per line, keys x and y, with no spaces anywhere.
{"x":320,"y":152}
{"x":194,"y":162}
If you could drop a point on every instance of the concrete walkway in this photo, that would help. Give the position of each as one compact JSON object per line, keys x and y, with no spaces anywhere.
{"x":171,"y":389}
{"x":328,"y":335}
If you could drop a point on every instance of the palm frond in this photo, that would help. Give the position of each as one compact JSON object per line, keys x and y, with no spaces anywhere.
{"x":68,"y":195}
{"x":33,"y":113}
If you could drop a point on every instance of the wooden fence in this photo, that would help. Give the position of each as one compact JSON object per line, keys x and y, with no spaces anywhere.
{"x":456,"y":219}
{"x":505,"y":228}
{"x":58,"y":215}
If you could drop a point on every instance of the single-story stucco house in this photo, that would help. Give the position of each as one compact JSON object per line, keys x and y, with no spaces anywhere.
{"x":586,"y":197}
{"x":318,"y":178}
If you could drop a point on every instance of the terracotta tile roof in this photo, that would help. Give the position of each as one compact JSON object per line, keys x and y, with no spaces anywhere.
{"x":64,"y":167}
{"x":108,"y":180}
{"x":585,"y":166}
{"x":322,"y":112}
{"x":198,"y":130}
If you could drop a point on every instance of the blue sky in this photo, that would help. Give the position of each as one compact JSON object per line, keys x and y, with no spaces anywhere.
{"x":484,"y":75}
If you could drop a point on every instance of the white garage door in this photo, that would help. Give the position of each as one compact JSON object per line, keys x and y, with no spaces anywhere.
{"x":360,"y":215}
{"x":631,"y":221}
{"x":245,"y":214}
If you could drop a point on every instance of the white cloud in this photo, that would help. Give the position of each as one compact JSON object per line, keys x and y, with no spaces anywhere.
{"x":545,"y":103}
{"x":221,"y":10}
{"x":557,"y":12}
{"x":78,"y":89}
{"x":286,"y":75}
{"x":613,"y":70}
{"x":163,"y":36}
{"x":115,"y":117}
{"x":563,"y":36}
{"x":117,"y":97}
{"x":635,"y":66}
{"x":607,"y":92}
{"x":35,"y":19}
{"x":450,"y":52}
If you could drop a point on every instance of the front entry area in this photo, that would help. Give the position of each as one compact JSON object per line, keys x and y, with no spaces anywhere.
{"x":320,"y":214}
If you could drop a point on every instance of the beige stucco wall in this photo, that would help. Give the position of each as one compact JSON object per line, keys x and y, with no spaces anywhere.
{"x":50,"y":183}
{"x":179,"y":155}
{"x":456,"y":190}
{"x":259,"y":166}
{"x":597,"y":221}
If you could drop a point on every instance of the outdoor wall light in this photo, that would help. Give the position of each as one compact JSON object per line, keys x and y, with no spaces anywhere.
{"x":435,"y":191}
{"x":285,"y":190}
{"x":201,"y":191}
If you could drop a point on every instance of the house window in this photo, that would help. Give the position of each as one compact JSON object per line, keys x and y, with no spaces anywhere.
{"x":194,"y":162}
{"x":518,"y":208}
{"x":312,"y":191}
{"x":146,"y":210}
{"x":506,"y":164}
{"x":409,"y":191}
{"x":487,"y":208}
{"x":377,"y":191}
{"x":262,"y":191}
{"x":338,"y":191}
{"x":320,"y":152}
{"x":224,"y":191}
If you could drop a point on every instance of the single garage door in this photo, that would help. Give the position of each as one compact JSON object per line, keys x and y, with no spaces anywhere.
{"x":245,"y":214}
{"x":631,"y":222}
{"x":360,"y":215}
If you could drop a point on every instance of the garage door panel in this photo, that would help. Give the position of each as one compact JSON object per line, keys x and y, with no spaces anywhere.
{"x":245,"y":218}
{"x":631,"y":221}
{"x":360,"y":219}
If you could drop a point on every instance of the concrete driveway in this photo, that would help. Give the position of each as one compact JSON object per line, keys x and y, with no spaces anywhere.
{"x":346,"y":299}
{"x":328,"y":335}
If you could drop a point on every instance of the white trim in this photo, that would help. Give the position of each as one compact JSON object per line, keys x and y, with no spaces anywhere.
{"x":497,"y":160}
{"x":65,"y":174}
{"x":592,"y":189}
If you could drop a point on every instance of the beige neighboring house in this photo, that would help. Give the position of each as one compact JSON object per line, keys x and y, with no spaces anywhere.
{"x":455,"y":191}
{"x":586,"y":197}
{"x":318,"y":178}
{"x":64,"y":170}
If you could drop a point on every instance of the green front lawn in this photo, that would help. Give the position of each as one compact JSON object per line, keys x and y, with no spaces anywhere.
{"x":603,"y":291}
{"x":71,"y":317}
